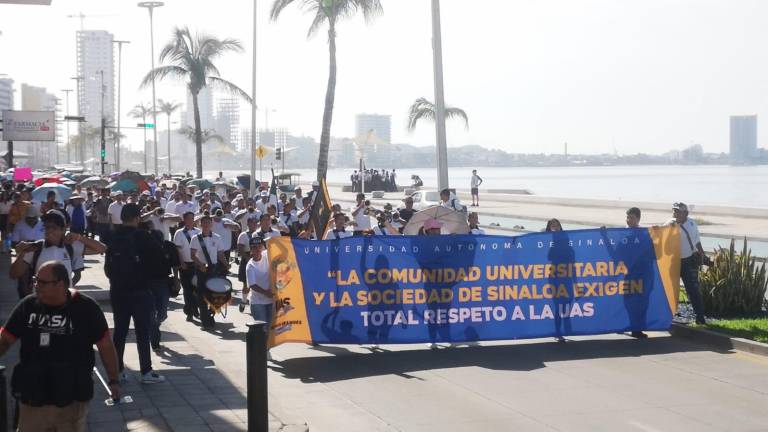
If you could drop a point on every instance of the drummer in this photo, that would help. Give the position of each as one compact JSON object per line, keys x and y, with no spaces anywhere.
{"x":207,"y":264}
{"x":244,"y":250}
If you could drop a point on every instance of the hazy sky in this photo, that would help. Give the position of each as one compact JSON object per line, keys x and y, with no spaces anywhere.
{"x":649,"y":75}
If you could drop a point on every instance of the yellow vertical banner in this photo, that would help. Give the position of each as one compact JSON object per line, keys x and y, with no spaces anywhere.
{"x":290,"y":323}
{"x":666,"y":244}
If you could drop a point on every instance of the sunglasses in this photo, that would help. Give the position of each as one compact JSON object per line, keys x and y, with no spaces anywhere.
{"x":42,"y":282}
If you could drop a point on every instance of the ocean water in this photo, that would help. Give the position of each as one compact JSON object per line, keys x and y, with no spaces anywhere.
{"x":737,"y":186}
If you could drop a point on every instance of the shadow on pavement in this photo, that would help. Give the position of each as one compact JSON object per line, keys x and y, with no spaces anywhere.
{"x":345,"y":364}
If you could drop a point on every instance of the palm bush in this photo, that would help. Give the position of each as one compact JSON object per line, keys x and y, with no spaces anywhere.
{"x":735,"y":284}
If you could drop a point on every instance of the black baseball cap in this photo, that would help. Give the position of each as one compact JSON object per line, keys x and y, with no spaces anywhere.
{"x":256,"y":241}
{"x":129,"y":212}
{"x":55,"y":216}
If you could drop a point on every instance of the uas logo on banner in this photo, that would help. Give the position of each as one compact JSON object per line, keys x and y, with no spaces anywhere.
{"x":464,"y":288}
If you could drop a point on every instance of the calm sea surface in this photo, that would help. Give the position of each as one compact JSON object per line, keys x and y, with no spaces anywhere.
{"x":739,"y":186}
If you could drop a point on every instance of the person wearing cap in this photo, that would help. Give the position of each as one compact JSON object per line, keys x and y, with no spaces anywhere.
{"x":474,"y":184}
{"x":691,"y":256}
{"x":30,"y":230}
{"x":132,"y":295}
{"x":261,"y":296}
{"x":207,"y":252}
{"x":224,"y":227}
{"x":182,"y":239}
{"x":263,"y":202}
{"x":57,"y":245}
{"x":57,"y":328}
{"x":315,"y":191}
{"x":77,"y":214}
{"x":115,"y":209}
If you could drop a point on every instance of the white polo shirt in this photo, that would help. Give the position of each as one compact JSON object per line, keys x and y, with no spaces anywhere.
{"x":687,"y":248}
{"x":23,"y":232}
{"x":114,"y":211}
{"x":362,"y":220}
{"x":257,"y":273}
{"x":223,"y":232}
{"x":212,"y":244}
{"x":244,"y":239}
{"x":56,"y":253}
{"x":182,"y":244}
{"x":267,"y":235}
{"x":182,"y":207}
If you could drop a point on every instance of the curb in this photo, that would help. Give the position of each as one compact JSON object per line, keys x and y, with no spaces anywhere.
{"x":719,"y":340}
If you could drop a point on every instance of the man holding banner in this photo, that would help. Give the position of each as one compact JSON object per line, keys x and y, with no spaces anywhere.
{"x":692,"y":256}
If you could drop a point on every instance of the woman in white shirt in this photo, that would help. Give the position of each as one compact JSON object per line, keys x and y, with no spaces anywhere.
{"x":474,"y":224}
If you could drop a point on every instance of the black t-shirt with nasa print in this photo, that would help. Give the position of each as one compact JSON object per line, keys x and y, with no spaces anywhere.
{"x":65,"y":334}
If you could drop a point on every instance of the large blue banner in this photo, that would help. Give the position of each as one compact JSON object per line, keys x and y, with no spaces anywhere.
{"x":393,"y":289}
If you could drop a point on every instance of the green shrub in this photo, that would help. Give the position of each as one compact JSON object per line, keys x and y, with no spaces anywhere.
{"x":735,"y":285}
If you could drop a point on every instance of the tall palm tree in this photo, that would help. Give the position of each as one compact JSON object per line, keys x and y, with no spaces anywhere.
{"x":191,"y":59}
{"x":141,"y":111}
{"x":168,"y":108}
{"x":329,"y":11}
{"x":424,"y":109}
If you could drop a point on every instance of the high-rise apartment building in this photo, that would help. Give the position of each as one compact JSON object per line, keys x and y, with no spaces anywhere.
{"x":6,"y":94}
{"x":94,"y":56}
{"x":228,"y":122}
{"x":379,"y":125}
{"x":743,"y":145}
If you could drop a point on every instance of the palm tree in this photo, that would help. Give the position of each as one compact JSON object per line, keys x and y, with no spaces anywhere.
{"x":191,"y":59}
{"x":168,"y":108}
{"x":205,"y":135}
{"x":141,"y":111}
{"x":330,"y":11}
{"x":424,"y":109}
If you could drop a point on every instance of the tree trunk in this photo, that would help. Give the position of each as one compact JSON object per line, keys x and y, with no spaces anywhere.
{"x":169,"y":143}
{"x":330,"y":95}
{"x":198,"y":137}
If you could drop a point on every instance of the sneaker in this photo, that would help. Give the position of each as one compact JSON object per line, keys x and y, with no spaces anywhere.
{"x":190,"y":318}
{"x":152,"y":377}
{"x":560,"y":339}
{"x":432,"y":345}
{"x":639,"y":335}
{"x":157,"y":348}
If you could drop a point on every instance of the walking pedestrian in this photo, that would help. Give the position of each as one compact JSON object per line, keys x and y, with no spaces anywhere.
{"x":126,"y":265}
{"x":57,"y":328}
{"x":261,"y":296}
{"x":182,"y":240}
{"x":207,"y":252}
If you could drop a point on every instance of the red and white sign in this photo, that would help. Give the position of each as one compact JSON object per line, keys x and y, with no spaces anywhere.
{"x":29,"y":126}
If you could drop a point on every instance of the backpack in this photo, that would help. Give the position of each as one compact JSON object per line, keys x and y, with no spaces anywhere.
{"x":122,"y":262}
{"x":39,"y":245}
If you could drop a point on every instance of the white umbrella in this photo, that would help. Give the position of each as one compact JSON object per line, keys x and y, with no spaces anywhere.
{"x":453,"y":222}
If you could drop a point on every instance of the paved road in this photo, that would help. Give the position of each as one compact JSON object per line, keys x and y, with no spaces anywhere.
{"x":610,"y":382}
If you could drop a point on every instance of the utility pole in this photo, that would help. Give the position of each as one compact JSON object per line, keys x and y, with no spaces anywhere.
{"x":119,"y":79}
{"x":150,"y":6}
{"x":437,"y":62}
{"x":252,"y":186}
{"x":67,"y":92}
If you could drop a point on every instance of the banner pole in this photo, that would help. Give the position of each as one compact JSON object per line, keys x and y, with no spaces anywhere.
{"x":256,"y":371}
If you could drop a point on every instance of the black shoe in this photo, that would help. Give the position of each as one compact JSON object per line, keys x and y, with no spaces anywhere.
{"x":190,"y":318}
{"x":639,"y":335}
{"x":701,"y":321}
{"x":157,"y":348}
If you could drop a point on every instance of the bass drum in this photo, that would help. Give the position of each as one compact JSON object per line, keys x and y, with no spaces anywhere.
{"x":218,"y":293}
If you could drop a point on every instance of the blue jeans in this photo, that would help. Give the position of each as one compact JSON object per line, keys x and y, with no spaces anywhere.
{"x":689,"y":272}
{"x":139,"y":304}
{"x":263,"y":312}
{"x":160,"y":294}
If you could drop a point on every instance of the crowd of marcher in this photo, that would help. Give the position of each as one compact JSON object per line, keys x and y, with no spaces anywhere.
{"x":374,"y":180}
{"x":173,"y":239}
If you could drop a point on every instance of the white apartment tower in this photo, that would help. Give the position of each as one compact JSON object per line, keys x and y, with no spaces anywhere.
{"x":228,"y":122}
{"x":94,"y":56}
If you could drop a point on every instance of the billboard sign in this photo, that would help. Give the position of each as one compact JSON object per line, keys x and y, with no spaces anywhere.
{"x":29,"y":126}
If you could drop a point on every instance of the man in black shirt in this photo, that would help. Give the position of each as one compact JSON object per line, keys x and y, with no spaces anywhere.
{"x":408,"y":211}
{"x":57,"y":328}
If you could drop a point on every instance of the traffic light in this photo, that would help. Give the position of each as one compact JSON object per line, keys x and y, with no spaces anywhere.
{"x":278,"y":153}
{"x":103,"y":154}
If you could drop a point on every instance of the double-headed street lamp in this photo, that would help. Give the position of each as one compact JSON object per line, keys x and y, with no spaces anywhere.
{"x":151,"y":5}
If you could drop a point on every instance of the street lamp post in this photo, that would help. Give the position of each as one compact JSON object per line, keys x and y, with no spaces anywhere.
{"x":151,"y":5}
{"x":67,"y":92}
{"x":119,"y":79}
{"x":254,"y":133}
{"x":80,"y":125}
{"x":437,"y":63}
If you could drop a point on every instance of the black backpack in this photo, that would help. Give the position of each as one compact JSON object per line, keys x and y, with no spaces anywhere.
{"x":123,"y":263}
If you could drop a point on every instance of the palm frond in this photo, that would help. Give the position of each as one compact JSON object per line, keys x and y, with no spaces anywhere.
{"x":277,"y":7}
{"x":424,"y":109}
{"x":451,"y":112}
{"x":162,"y":72}
{"x":222,"y":84}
